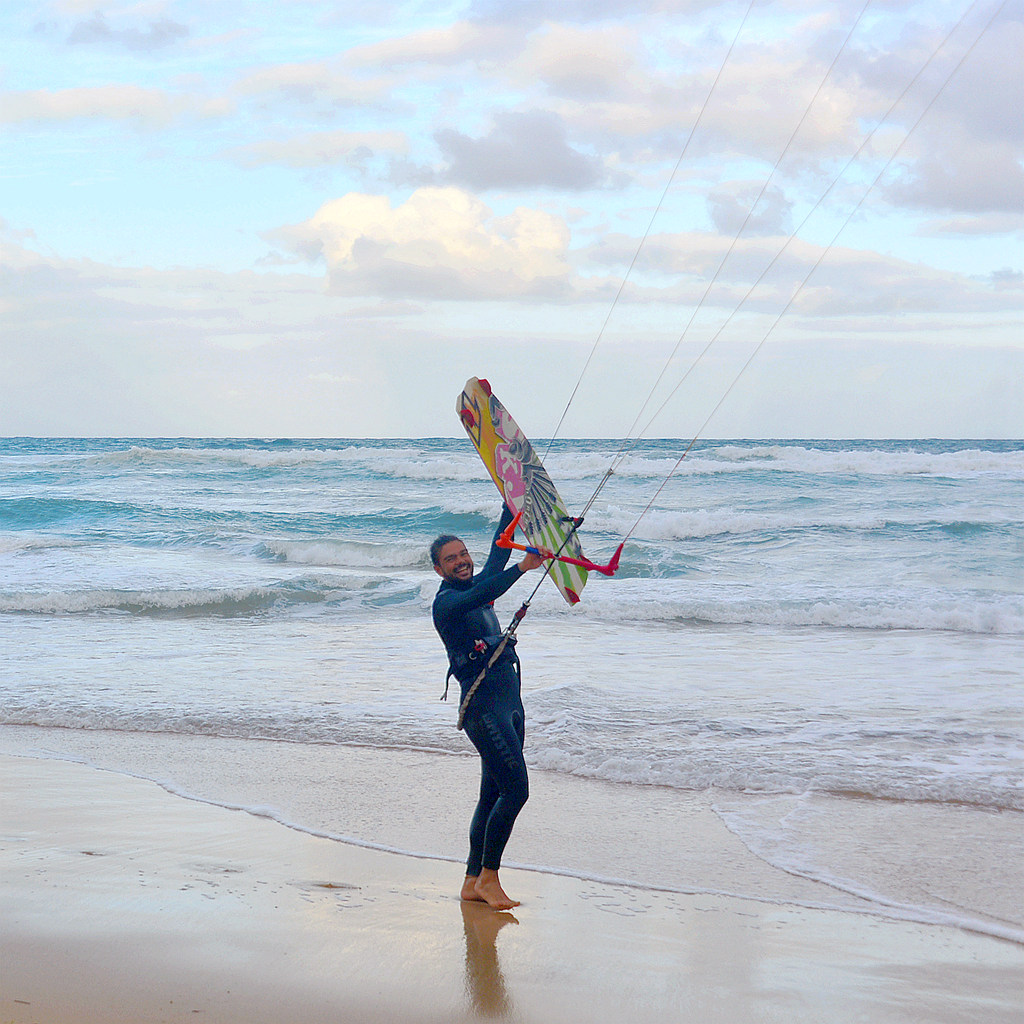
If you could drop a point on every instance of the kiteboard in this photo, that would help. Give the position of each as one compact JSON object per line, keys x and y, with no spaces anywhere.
{"x":523,"y":482}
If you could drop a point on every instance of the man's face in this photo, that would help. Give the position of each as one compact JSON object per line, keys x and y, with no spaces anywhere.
{"x":454,"y":562}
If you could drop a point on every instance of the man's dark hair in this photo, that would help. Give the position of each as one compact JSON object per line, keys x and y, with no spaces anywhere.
{"x":435,"y":548}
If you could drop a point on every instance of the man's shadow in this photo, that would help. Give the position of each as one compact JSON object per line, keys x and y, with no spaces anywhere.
{"x":485,"y":983}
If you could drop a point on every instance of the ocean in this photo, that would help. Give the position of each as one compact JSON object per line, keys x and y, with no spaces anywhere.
{"x":804,"y":685}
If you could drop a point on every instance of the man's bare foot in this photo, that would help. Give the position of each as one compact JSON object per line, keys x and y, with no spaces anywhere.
{"x":488,"y":889}
{"x":469,"y":889}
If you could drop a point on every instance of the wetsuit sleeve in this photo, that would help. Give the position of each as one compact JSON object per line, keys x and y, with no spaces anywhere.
{"x":498,"y":558}
{"x":483,"y":591}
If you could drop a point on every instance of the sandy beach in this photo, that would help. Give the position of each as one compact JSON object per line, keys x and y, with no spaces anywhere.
{"x":123,"y":902}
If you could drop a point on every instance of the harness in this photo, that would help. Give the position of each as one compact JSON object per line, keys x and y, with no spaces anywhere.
{"x":466,"y":665}
{"x":506,"y":638}
{"x":458,"y":662}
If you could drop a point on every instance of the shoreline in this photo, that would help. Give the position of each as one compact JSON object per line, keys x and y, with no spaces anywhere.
{"x":930,"y":864}
{"x":123,"y":902}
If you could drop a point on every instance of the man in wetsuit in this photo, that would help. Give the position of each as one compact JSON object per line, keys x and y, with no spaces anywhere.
{"x":495,"y":722}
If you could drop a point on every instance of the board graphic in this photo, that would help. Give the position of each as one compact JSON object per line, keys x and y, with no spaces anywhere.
{"x":523,"y":482}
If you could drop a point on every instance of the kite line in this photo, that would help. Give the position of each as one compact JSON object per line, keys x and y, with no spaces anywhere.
{"x":633,"y":436}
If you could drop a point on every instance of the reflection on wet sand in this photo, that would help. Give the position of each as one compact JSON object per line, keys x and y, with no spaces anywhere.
{"x":485,"y":984}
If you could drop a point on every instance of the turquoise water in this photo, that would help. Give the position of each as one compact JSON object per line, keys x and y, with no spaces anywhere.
{"x":829,"y":551}
{"x":790,"y":620}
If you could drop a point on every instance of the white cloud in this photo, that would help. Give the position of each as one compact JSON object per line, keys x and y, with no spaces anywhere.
{"x":440,"y":243}
{"x":846,"y":287}
{"x":637,"y":86}
{"x":138,"y":352}
{"x":114,"y":102}
{"x":310,"y":82}
{"x":319,"y":149}
{"x":984,"y":85}
{"x":1008,"y":277}
{"x":157,"y":34}
{"x":584,"y":64}
{"x":522,"y":150}
{"x":96,"y":349}
{"x":461,"y":41}
{"x":513,"y":104}
{"x":731,"y":209}
{"x":762,"y":100}
{"x":583,"y":11}
{"x":982,"y":224}
{"x":959,"y":174}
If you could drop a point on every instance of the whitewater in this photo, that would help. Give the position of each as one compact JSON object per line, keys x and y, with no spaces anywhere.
{"x":817,"y":646}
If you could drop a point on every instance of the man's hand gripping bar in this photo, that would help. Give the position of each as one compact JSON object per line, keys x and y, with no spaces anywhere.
{"x":505,"y":541}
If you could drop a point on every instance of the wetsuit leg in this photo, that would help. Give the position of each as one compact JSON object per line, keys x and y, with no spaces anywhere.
{"x":497,"y":730}
{"x":489,"y":794}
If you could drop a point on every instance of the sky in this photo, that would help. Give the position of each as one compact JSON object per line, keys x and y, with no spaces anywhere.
{"x":779,"y":218}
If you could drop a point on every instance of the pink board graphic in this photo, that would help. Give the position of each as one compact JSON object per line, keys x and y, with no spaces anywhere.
{"x":522,"y":481}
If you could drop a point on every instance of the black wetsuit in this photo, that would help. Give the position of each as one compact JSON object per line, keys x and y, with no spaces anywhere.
{"x":495,"y":721}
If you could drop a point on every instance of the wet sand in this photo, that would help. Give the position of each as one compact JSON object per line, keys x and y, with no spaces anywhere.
{"x":122,"y":902}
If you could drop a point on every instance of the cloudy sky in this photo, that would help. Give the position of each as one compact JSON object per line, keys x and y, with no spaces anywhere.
{"x":313,"y":218}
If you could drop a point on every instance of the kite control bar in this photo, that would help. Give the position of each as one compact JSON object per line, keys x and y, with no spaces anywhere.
{"x":505,"y":541}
